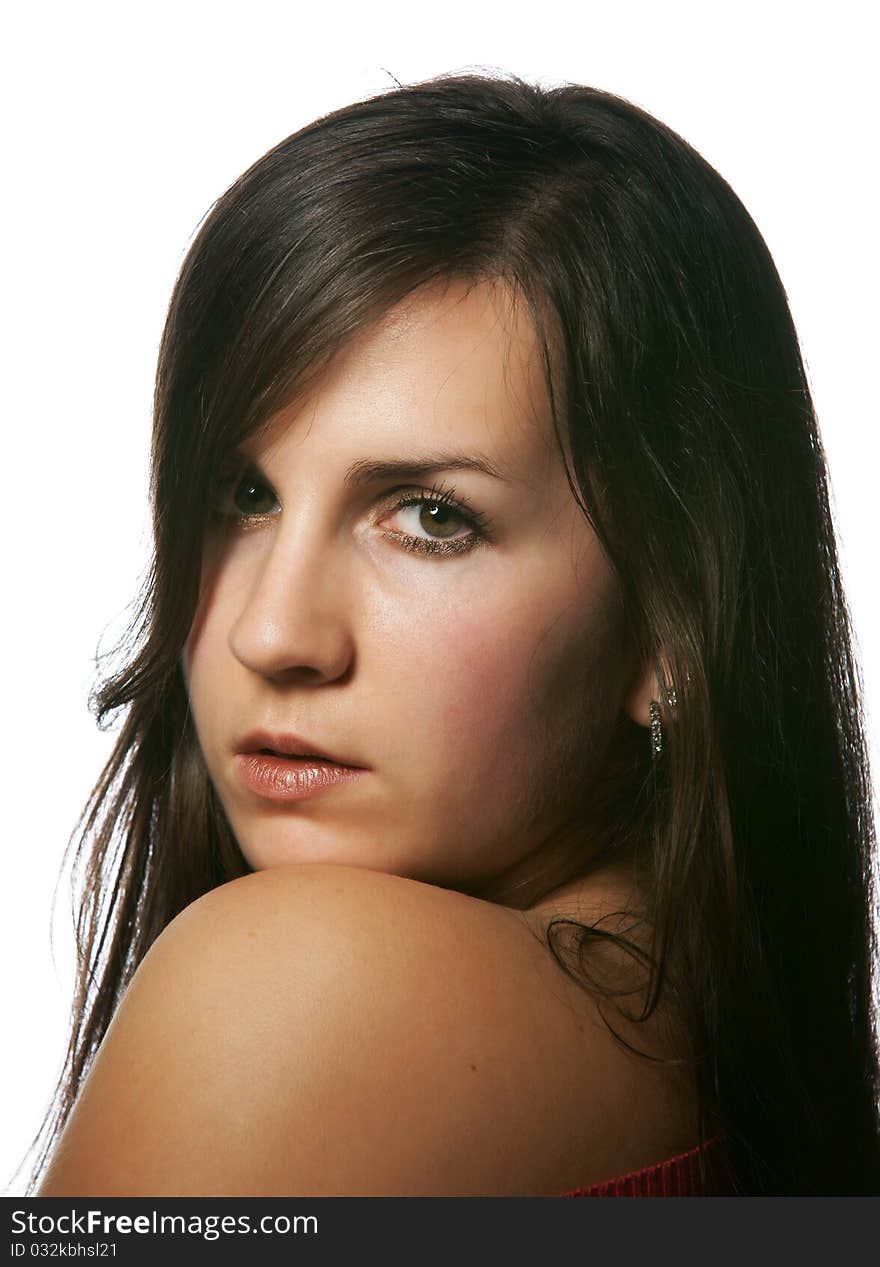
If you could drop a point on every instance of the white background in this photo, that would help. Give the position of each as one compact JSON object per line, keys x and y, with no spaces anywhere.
{"x":123,"y":124}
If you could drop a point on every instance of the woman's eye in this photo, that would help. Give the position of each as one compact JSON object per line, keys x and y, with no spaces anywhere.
{"x":447,"y":527}
{"x":246,"y":496}
{"x":437,"y":520}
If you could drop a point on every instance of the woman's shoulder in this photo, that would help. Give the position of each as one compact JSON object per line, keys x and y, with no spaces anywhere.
{"x":328,"y":1030}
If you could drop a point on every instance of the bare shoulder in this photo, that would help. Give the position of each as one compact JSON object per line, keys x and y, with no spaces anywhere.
{"x":327,"y":1030}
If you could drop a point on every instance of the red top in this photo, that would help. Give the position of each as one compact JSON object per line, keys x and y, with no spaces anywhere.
{"x":678,"y":1176}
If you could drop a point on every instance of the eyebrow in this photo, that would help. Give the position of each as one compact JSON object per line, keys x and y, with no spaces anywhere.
{"x":366,"y":472}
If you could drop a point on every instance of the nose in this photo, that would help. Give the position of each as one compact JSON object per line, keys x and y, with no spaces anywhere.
{"x":293,"y":621}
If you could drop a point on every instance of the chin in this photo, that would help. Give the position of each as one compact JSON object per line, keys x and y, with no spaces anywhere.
{"x":270,"y":856}
{"x":268,"y":847}
{"x":266,"y":856}
{"x":289,"y":840}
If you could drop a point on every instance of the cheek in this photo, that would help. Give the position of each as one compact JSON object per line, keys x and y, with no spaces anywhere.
{"x":205,"y":664}
{"x":488,"y":679}
{"x":205,"y":655}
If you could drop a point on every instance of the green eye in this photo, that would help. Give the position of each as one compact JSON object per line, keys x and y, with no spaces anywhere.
{"x":439,"y":519}
{"x":251,"y":497}
{"x":244,"y":496}
{"x":441,"y":513}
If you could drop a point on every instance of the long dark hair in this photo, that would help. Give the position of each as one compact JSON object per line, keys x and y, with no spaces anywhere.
{"x":675,"y":377}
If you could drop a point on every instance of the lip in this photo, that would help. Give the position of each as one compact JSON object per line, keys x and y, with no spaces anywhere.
{"x":289,"y":745}
{"x":285,"y":779}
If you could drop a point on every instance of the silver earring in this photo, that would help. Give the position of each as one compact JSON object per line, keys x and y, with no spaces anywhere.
{"x":670,"y":699}
{"x":656,"y":729}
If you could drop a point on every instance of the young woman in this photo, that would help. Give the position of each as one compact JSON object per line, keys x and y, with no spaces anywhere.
{"x":491,"y":810}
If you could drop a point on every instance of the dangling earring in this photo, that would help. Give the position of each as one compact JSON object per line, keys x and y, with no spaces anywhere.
{"x":656,"y":729}
{"x":654,"y":714}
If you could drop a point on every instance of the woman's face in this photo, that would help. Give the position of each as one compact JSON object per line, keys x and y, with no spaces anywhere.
{"x":473,"y":668}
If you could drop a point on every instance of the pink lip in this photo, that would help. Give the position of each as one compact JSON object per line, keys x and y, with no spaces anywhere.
{"x":290,"y":779}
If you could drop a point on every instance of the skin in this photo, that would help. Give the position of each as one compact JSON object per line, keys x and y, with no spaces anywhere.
{"x":479,"y":688}
{"x":335,"y":1031}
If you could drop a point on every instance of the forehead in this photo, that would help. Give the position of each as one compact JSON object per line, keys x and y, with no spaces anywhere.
{"x":456,"y":362}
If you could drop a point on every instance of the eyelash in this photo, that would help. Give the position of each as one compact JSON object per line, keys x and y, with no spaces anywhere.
{"x":440,"y":495}
{"x":437,"y":495}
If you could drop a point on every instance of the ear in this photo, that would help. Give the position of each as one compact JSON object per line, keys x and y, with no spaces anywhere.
{"x":644,"y":688}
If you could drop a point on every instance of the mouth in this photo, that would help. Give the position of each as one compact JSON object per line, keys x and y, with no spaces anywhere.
{"x":275,"y":775}
{"x":292,"y":749}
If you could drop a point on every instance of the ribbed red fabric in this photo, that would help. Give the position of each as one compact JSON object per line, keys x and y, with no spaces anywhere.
{"x":676,"y":1177}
